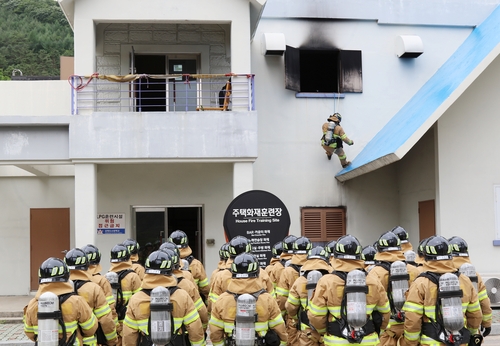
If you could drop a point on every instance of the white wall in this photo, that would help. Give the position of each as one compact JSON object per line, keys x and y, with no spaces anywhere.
{"x":35,"y":98}
{"x":18,"y":196}
{"x":469,"y":167}
{"x":119,"y":187}
{"x":416,"y":176}
{"x":291,"y":163}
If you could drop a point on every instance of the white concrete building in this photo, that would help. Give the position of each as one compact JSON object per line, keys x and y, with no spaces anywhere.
{"x":415,"y":82}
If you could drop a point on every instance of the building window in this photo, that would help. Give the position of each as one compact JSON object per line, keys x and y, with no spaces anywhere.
{"x":323,"y":70}
{"x":321,"y":225}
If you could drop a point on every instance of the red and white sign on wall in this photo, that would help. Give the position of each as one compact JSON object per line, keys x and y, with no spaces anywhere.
{"x":111,"y":223}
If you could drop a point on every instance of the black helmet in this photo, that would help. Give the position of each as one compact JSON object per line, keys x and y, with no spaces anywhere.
{"x":302,"y":245}
{"x":159,"y":262}
{"x":421,"y":246}
{"x":245,"y":266}
{"x":388,"y":242}
{"x":368,"y":254}
{"x":179,"y":238}
{"x":76,"y":259}
{"x":330,"y":247}
{"x":224,"y":252}
{"x":277,"y":249}
{"x":239,"y":245}
{"x":459,"y":247}
{"x":53,"y":270}
{"x":348,"y":247}
{"x":168,"y":245}
{"x":288,"y":243}
{"x":318,"y":252}
{"x":132,"y":246}
{"x":119,"y":253}
{"x":437,"y":249}
{"x":401,"y":233}
{"x":93,"y":254}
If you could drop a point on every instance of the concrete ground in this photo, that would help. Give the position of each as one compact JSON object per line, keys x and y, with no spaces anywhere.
{"x":12,"y":328}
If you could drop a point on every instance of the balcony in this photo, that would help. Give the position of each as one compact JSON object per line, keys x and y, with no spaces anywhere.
{"x":162,"y":93}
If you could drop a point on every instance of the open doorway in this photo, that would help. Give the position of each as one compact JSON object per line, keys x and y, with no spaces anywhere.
{"x":153,"y":225}
{"x":160,"y":95}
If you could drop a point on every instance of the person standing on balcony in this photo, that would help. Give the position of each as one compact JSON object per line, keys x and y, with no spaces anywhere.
{"x":333,"y":139}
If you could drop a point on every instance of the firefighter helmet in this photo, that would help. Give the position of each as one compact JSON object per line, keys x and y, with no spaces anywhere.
{"x":401,"y":233}
{"x":93,"y":254}
{"x":459,"y":247}
{"x":437,"y":248}
{"x":348,"y":247}
{"x":239,"y":245}
{"x":335,"y":117}
{"x":224,"y":252}
{"x":288,"y":243}
{"x":368,"y":254}
{"x":277,"y":249}
{"x":302,"y":245}
{"x":421,"y":246}
{"x":76,"y":259}
{"x":179,"y":238}
{"x":388,"y":242}
{"x":245,"y":266}
{"x":318,"y":252}
{"x":53,"y":270}
{"x":132,"y":246}
{"x":330,"y":247}
{"x":168,"y":245}
{"x":119,"y":253}
{"x":159,"y":262}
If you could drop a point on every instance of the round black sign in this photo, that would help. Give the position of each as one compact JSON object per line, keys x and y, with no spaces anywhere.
{"x":261,"y":217}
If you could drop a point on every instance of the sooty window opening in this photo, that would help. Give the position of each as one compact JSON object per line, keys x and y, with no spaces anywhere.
{"x":323,"y":70}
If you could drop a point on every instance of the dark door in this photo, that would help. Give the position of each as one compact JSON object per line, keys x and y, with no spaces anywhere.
{"x":154,"y":225}
{"x":150,"y":93}
{"x":49,"y":237}
{"x":426,"y":218}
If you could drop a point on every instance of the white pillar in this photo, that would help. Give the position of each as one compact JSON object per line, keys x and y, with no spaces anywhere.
{"x":242,"y":178}
{"x":85,"y":204}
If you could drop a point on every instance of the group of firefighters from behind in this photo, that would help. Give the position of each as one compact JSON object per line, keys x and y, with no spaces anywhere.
{"x":339,"y":294}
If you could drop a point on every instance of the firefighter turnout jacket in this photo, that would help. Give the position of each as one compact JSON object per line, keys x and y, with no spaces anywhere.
{"x":95,"y":298}
{"x":297,"y":303}
{"x":222,"y":279}
{"x":222,"y":321}
{"x":192,"y":290}
{"x":286,"y":280}
{"x":77,"y":315}
{"x":184,"y":312}
{"x":95,"y":276}
{"x":421,"y":301}
{"x":136,"y":266}
{"x":276,"y":267}
{"x":482,"y":294}
{"x":395,"y":329}
{"x":196,"y":268}
{"x":325,"y":306}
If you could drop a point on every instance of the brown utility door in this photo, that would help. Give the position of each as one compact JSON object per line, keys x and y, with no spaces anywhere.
{"x":49,"y":237}
{"x":427,"y":218}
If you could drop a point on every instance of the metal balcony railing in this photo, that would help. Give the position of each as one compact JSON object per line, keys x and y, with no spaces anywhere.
{"x":162,"y":93}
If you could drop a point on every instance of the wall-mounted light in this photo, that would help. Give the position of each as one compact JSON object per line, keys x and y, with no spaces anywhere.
{"x":409,"y":46}
{"x":273,"y":44}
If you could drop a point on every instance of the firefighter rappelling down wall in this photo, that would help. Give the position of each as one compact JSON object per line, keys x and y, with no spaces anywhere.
{"x":333,"y":139}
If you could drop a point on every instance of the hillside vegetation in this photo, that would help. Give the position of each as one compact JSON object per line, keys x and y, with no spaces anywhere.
{"x":33,"y":36}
